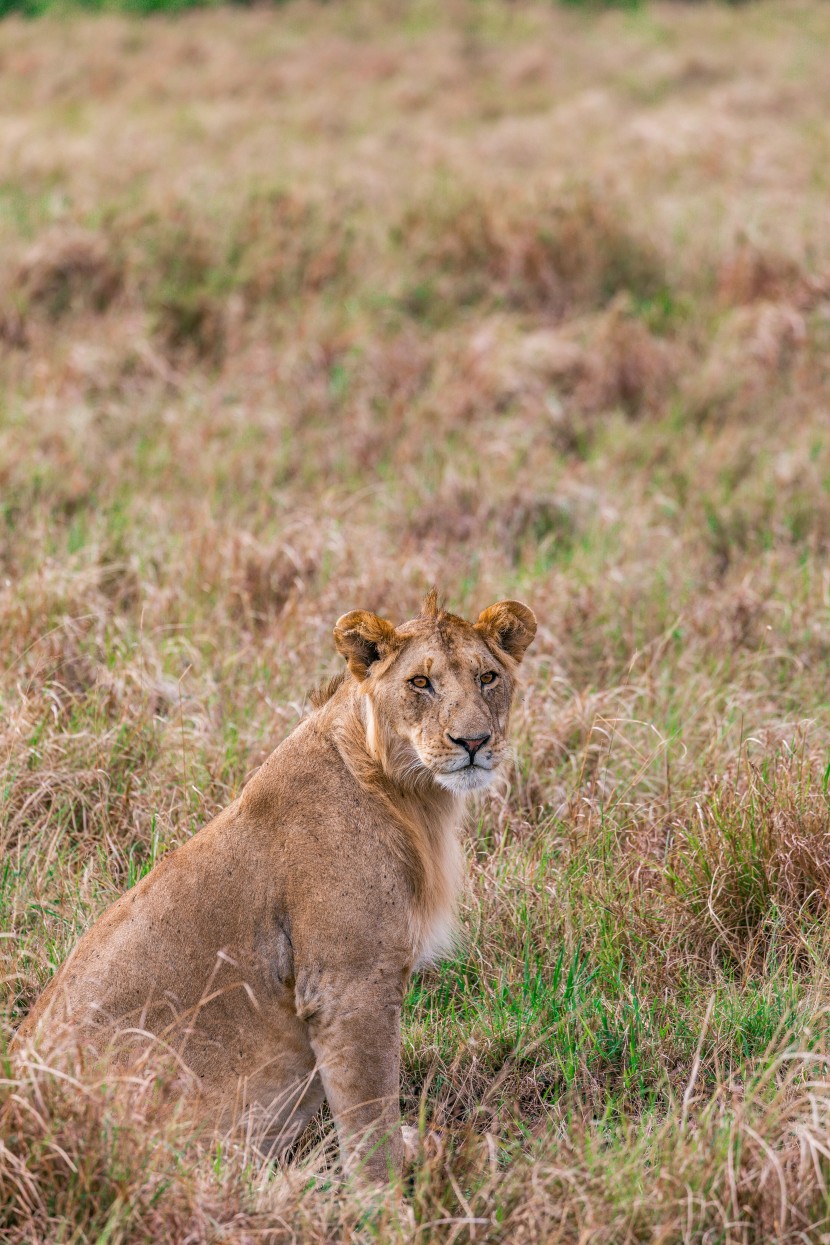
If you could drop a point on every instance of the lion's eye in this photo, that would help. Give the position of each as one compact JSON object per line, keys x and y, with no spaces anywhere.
{"x":489,"y":677}
{"x":421,"y":681}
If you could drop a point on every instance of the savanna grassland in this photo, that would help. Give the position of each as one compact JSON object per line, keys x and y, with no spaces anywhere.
{"x":309,"y":308}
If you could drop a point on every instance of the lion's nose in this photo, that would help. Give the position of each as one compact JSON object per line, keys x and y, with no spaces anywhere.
{"x":472,"y":745}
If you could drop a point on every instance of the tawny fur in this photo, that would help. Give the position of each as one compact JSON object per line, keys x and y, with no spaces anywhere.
{"x":270,"y":953}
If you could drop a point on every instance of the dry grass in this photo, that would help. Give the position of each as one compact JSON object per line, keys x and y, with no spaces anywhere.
{"x":307,"y":309}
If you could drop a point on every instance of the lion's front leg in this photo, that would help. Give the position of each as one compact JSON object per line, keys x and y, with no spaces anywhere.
{"x":356,"y":1042}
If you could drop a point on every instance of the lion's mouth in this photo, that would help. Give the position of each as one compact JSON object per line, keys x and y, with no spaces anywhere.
{"x":467,"y":777}
{"x":485,"y":763}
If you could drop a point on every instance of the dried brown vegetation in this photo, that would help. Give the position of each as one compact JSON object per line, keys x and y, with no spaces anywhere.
{"x":306,"y":309}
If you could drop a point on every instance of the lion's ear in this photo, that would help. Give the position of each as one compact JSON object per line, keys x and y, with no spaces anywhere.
{"x":363,"y":638}
{"x":510,"y":625}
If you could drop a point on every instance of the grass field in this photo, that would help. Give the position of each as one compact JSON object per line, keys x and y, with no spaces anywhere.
{"x":306,"y":309}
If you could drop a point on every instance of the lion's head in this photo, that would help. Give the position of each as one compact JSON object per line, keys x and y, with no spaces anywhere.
{"x":437,"y":690}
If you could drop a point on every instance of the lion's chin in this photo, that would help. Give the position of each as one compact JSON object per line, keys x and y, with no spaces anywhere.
{"x":464,"y":781}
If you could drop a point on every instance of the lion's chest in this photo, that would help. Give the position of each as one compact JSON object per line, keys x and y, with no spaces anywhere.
{"x":436,"y":928}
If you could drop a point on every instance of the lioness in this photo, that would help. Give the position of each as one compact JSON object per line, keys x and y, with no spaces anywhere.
{"x":271,"y":951}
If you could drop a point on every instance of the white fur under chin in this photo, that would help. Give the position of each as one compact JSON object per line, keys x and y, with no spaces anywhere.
{"x":466,"y":780}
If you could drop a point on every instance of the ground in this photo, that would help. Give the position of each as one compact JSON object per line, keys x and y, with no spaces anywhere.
{"x":309,"y":308}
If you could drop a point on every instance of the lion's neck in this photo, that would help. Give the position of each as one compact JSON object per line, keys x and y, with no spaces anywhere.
{"x":423,"y":817}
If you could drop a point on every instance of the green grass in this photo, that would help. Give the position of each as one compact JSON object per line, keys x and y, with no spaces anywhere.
{"x":37,"y":8}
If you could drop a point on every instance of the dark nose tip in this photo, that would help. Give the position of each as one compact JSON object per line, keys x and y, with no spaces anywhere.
{"x":472,"y":745}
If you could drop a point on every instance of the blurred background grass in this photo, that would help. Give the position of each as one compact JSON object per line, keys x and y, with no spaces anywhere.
{"x":36,"y":8}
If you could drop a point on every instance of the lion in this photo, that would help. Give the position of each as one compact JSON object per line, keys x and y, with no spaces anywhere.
{"x":270,"y":953}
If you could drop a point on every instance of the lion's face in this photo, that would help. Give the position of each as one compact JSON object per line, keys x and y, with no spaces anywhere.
{"x":438,"y":689}
{"x":448,"y":696}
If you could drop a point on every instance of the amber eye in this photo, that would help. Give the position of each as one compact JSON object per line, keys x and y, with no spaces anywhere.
{"x":489,"y":677}
{"x":421,"y":681}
